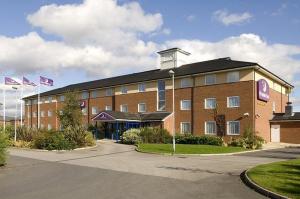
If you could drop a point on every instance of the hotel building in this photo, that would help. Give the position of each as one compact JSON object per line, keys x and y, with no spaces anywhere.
{"x":219,"y":97}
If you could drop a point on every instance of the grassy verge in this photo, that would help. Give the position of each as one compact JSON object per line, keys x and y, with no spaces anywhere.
{"x":279,"y":177}
{"x":188,"y":149}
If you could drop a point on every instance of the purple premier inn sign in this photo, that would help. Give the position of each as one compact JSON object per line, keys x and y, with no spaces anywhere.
{"x":263,"y":90}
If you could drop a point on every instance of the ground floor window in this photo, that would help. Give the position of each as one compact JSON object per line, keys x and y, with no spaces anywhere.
{"x":185,"y":127}
{"x":210,"y":127}
{"x":94,"y":110}
{"x":141,"y":107}
{"x":108,"y":108}
{"x":49,"y":127}
{"x":124,"y":108}
{"x":233,"y":127}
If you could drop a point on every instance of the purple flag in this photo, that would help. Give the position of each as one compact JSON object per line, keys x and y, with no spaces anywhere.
{"x":10,"y":81}
{"x":46,"y":81}
{"x":28,"y":82}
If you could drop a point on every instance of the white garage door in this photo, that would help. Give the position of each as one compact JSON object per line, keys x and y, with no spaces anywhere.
{"x":275,"y":133}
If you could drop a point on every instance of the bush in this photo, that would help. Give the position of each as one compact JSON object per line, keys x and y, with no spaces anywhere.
{"x":205,"y":139}
{"x":79,"y":136}
{"x":131,"y":136}
{"x":3,"y":146}
{"x":21,"y":144}
{"x":155,"y":135}
{"x":52,"y":140}
{"x":26,"y":134}
{"x":249,"y":140}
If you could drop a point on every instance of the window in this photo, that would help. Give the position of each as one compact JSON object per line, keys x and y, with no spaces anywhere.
{"x":42,"y":126}
{"x":33,"y":114}
{"x":142,"y":87}
{"x":124,"y":108}
{"x":274,"y":106}
{"x":49,"y":127}
{"x":141,"y":107}
{"x":186,"y":82}
{"x":84,"y":111}
{"x":84,"y":95}
{"x":108,"y":108}
{"x":61,"y":112}
{"x":161,"y":95}
{"x":62,"y":98}
{"x":109,"y":92}
{"x":233,"y":76}
{"x":210,"y":79}
{"x":50,"y":99}
{"x":35,"y":101}
{"x":28,"y":115}
{"x":185,"y":127}
{"x":233,"y":128}
{"x":210,"y":103}
{"x":233,"y":101}
{"x":49,"y":113}
{"x":123,"y":89}
{"x":42,"y":113}
{"x":185,"y":105}
{"x":28,"y":102}
{"x":94,"y":110}
{"x":210,"y":127}
{"x":95,"y":94}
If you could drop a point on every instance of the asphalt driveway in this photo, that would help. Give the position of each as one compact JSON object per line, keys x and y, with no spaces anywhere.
{"x":117,"y":171}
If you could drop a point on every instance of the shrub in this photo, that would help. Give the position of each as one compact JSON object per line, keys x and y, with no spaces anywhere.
{"x":3,"y":146}
{"x":205,"y":139}
{"x":21,"y":144}
{"x":155,"y":135}
{"x":249,"y":140}
{"x":78,"y":136}
{"x":26,"y":134}
{"x":52,"y":140}
{"x":131,"y":136}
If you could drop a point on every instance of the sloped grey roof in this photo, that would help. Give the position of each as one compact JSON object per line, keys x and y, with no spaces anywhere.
{"x":282,"y":117}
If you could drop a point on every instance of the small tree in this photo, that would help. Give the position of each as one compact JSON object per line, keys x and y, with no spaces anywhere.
{"x":70,"y":115}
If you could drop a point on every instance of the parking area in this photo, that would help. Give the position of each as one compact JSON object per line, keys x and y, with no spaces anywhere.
{"x":117,"y":171}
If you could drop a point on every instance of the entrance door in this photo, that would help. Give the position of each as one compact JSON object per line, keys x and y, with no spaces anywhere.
{"x":275,"y":133}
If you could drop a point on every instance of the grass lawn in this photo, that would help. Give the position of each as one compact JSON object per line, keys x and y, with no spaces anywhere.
{"x":279,"y":177}
{"x":188,"y":149}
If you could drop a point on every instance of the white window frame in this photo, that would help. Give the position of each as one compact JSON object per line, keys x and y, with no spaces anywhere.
{"x":121,"y":108}
{"x":49,"y":115}
{"x":83,"y":96}
{"x":42,"y":113}
{"x":227,"y":127}
{"x":274,"y":106}
{"x":50,"y":99}
{"x":94,"y":110}
{"x":181,"y":127}
{"x":108,"y":108}
{"x":161,"y":100}
{"x":185,"y":82}
{"x":33,"y":114}
{"x":229,"y":80}
{"x":205,"y":128}
{"x":109,"y":92}
{"x":84,"y":111}
{"x":210,"y":75}
{"x":210,"y":98}
{"x":61,"y":98}
{"x":49,"y":127}
{"x":141,"y":87}
{"x":228,"y":99}
{"x":94,"y":93}
{"x":124,"y":90}
{"x":139,"y":109}
{"x":181,"y":105}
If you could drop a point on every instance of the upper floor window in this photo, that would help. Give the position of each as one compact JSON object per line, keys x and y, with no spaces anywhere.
{"x":233,"y":76}
{"x":210,"y":79}
{"x":50,"y":99}
{"x":233,"y":127}
{"x":185,"y":105}
{"x":185,"y":82}
{"x":142,"y":107}
{"x":123,"y":89}
{"x":142,"y":87}
{"x":109,"y":92}
{"x":233,"y":101}
{"x":62,"y":98}
{"x":95,"y":94}
{"x":28,"y":115}
{"x":35,"y":101}
{"x":210,"y":127}
{"x":84,"y":95}
{"x":108,"y":108}
{"x":161,"y":95}
{"x":33,"y":114}
{"x":28,"y":102}
{"x":210,"y":103}
{"x":94,"y":110}
{"x":42,"y":113}
{"x":185,"y":127}
{"x":49,"y":113}
{"x":274,"y":106}
{"x":124,"y":108}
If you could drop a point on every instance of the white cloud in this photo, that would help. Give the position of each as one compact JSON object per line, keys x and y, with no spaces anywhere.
{"x":278,"y":58}
{"x":226,"y":18}
{"x":280,"y":10}
{"x":190,"y":18}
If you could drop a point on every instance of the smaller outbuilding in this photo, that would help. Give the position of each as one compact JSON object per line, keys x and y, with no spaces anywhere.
{"x":285,"y":127}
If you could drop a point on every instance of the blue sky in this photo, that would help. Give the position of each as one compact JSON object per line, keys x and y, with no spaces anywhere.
{"x":46,"y":37}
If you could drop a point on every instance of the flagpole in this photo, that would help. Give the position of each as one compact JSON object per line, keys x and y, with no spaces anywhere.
{"x":22,"y":103}
{"x":39,"y":105}
{"x":4,"y":118}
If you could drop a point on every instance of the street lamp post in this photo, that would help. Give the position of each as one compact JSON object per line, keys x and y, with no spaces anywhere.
{"x":15,"y":88}
{"x":172,"y":74}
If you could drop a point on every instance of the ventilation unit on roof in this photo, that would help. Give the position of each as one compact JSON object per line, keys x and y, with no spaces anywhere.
{"x":172,"y":58}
